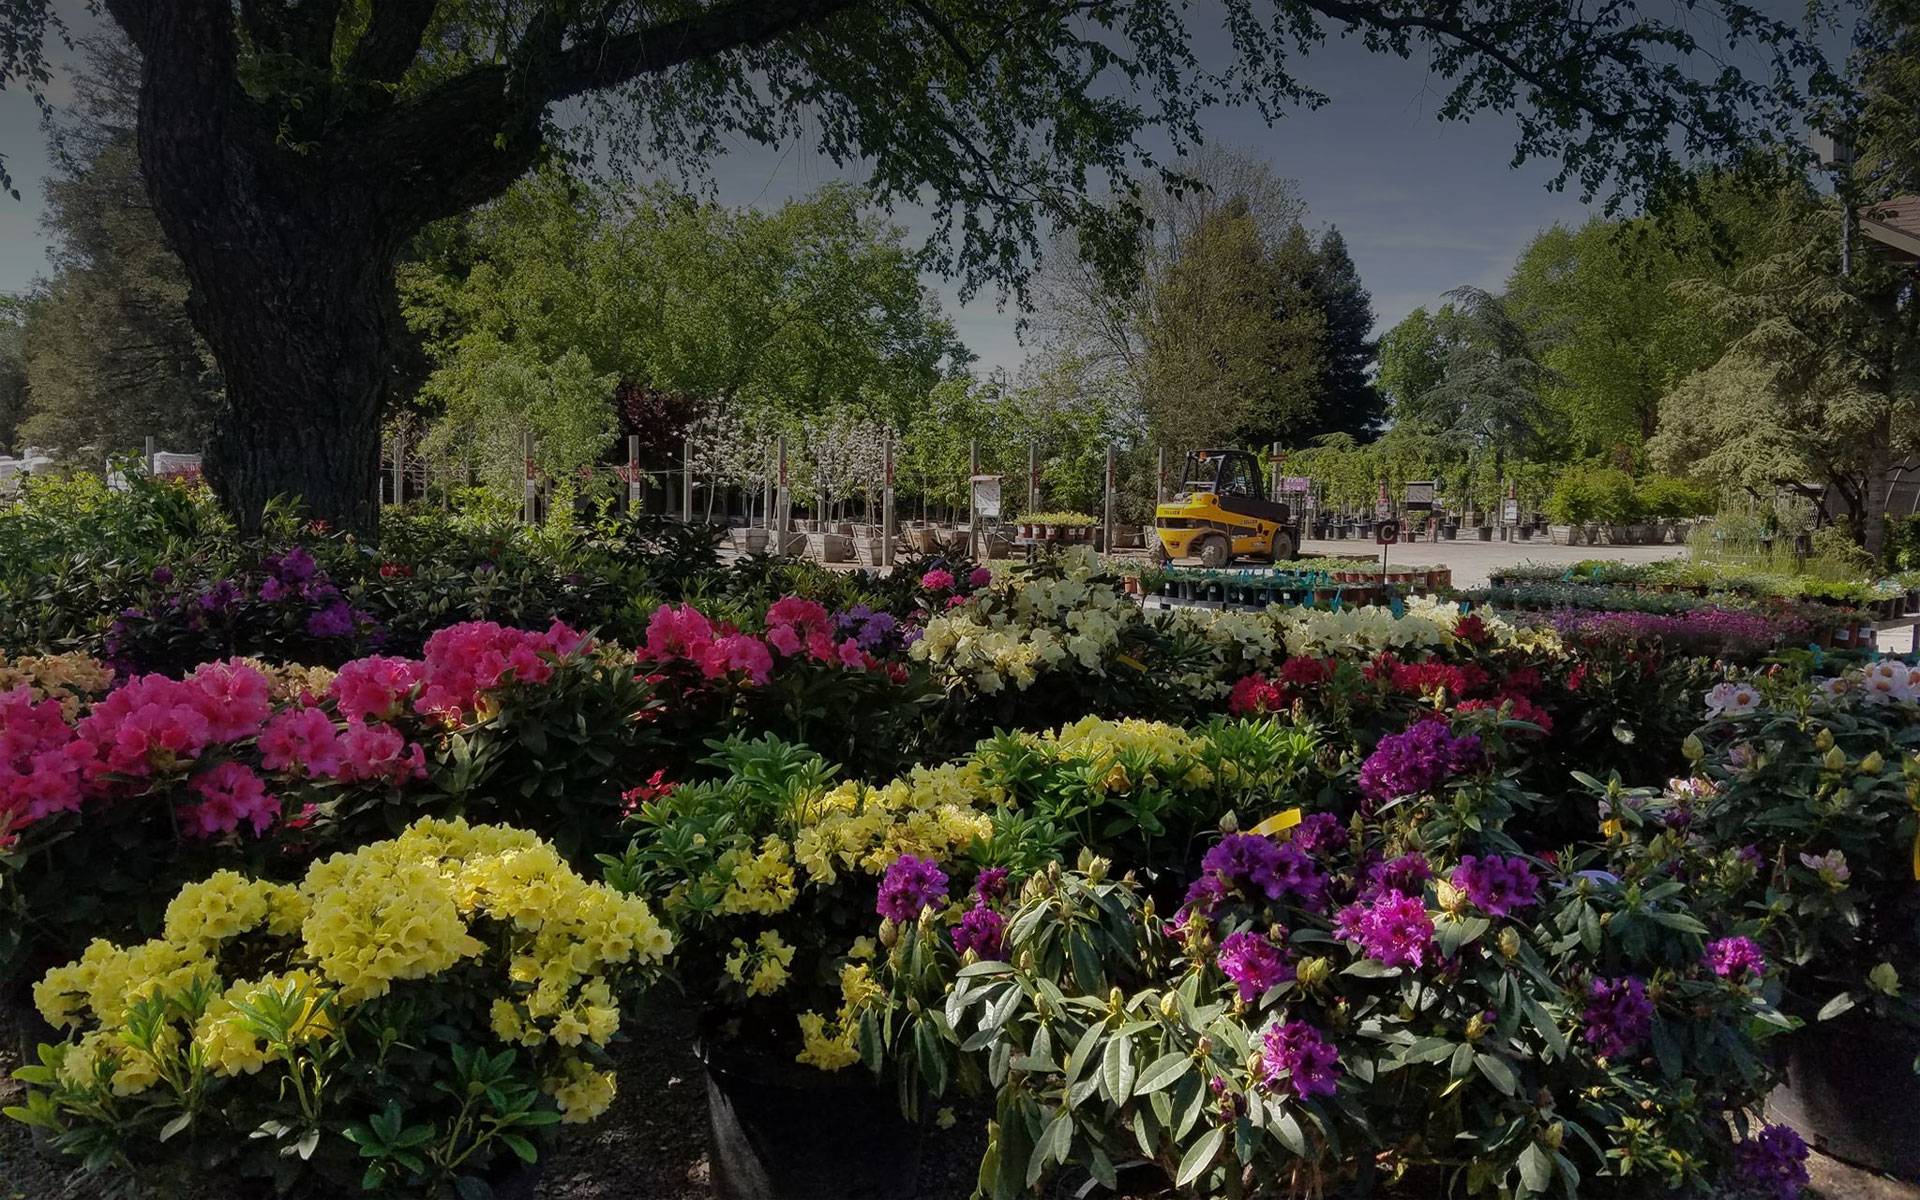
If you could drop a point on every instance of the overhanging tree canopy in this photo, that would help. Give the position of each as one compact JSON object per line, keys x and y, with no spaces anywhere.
{"x":293,"y":146}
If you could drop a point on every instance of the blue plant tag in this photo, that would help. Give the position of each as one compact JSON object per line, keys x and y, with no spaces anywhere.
{"x":1398,"y":606}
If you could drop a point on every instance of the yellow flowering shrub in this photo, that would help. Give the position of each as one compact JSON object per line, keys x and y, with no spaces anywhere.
{"x":69,"y":678}
{"x":247,"y":1005}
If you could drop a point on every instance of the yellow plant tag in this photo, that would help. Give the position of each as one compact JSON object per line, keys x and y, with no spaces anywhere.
{"x":1131,"y":661}
{"x":1287,"y":818}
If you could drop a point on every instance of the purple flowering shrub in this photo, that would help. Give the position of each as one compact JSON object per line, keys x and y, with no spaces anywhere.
{"x":1345,"y":989}
{"x":1798,"y":809}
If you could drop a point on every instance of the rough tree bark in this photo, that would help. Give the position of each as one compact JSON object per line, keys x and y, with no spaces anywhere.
{"x":289,"y":235}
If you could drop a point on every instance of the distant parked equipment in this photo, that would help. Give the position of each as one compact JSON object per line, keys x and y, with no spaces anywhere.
{"x":1221,"y":513}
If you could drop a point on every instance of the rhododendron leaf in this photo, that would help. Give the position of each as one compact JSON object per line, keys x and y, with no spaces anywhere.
{"x":1117,"y":1069}
{"x":1162,"y":1072}
{"x":1462,"y":1062}
{"x":1497,"y":1072}
{"x":1287,"y":1128}
{"x":1536,"y":1168}
{"x":1544,"y":1022}
{"x":1198,"y":1159}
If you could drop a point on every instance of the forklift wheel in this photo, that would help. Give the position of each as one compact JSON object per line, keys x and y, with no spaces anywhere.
{"x":1283,"y":548}
{"x":1215,"y":552}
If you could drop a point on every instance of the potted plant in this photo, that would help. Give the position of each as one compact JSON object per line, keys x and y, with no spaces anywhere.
{"x":753,"y":539}
{"x":441,"y":1073}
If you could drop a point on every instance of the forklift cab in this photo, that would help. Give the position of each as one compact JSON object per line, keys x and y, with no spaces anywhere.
{"x":1222,"y":513}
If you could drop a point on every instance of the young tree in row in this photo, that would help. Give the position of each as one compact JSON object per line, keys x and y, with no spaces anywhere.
{"x":293,"y":147}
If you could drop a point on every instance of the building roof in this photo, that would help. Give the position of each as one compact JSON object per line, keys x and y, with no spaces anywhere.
{"x":1895,"y":225}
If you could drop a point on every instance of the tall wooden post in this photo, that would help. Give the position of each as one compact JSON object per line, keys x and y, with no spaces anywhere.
{"x":151,"y":451}
{"x":399,"y":467}
{"x":686,"y":480}
{"x":887,"y":532}
{"x":973,"y":515}
{"x":1033,"y":477}
{"x":1106,"y":532}
{"x":634,"y":494}
{"x":1160,"y":477}
{"x":1273,"y":469}
{"x":530,"y":501}
{"x":783,"y":497}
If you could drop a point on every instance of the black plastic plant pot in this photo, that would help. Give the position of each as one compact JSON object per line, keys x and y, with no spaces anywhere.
{"x":783,"y":1131}
{"x":1852,"y":1093}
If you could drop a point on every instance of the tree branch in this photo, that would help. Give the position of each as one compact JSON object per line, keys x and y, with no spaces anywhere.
{"x":730,"y":26}
{"x":391,"y":41}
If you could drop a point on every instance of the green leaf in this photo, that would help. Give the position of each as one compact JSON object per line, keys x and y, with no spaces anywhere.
{"x":176,"y":1125}
{"x":1288,"y":1130}
{"x":1162,"y":1072}
{"x":1536,"y":1168}
{"x":1834,"y":1007}
{"x":1497,"y":1072}
{"x":1117,"y":1070}
{"x":521,"y":1147}
{"x":1198,"y":1159}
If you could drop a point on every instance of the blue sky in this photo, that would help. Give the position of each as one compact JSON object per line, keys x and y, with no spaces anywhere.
{"x":1425,"y":206}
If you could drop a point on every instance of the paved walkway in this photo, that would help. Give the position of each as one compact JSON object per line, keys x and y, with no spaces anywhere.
{"x":1473,"y":561}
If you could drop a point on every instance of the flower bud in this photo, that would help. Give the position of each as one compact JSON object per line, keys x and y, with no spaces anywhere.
{"x":1872,"y":764}
{"x":1476,"y":1028}
{"x":1170,"y":1005}
{"x":1026,"y":961}
{"x":1693,"y":749}
{"x":1096,"y":868}
{"x":1553,"y":1135}
{"x":1509,"y":942}
{"x":1116,"y":1002}
{"x":1835,"y":760}
{"x":1451,"y":898}
{"x":889,"y":933}
{"x":1230,"y":823}
{"x":1313,"y":971}
{"x":1823,"y":741}
{"x":1884,"y":979}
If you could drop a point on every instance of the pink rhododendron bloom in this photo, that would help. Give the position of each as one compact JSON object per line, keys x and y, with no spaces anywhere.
{"x":232,"y":696}
{"x":851,"y":656}
{"x":784,"y":639}
{"x":378,"y":752}
{"x":463,"y":661}
{"x":375,"y":687}
{"x":230,"y":794}
{"x":937,"y":580}
{"x":676,"y":633}
{"x":980,"y":577}
{"x":151,"y":723}
{"x":301,"y":739}
{"x":44,"y":768}
{"x":738,"y":652}
{"x":795,"y":610}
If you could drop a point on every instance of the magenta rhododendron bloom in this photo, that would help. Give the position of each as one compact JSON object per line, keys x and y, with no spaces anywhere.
{"x":1497,"y":884}
{"x":1302,"y":1057}
{"x":980,"y":930}
{"x":1419,"y":760}
{"x":980,"y":577}
{"x":1736,"y":957}
{"x":1618,"y":1016}
{"x":376,"y":687}
{"x":909,"y":887}
{"x":230,"y":795}
{"x":1392,"y":928}
{"x":301,"y":740}
{"x":1254,"y":963}
{"x":937,"y":580}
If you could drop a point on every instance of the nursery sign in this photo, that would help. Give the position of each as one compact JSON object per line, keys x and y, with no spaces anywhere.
{"x":1420,"y":496}
{"x":1510,"y":511}
{"x":986,"y":495}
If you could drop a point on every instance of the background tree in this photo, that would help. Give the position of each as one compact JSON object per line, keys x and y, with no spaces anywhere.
{"x":111,"y":357}
{"x":1818,"y":390}
{"x":1233,"y":338}
{"x":293,"y":147}
{"x":1348,"y":402}
{"x":13,"y":374}
{"x":773,"y":317}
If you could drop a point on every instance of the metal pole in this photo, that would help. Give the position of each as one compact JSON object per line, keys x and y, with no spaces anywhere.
{"x":686,"y":480}
{"x":783,"y":497}
{"x":1160,"y":478}
{"x":530,"y":502}
{"x":151,"y":450}
{"x":1106,"y":518}
{"x":1273,"y":469}
{"x":1033,"y":477}
{"x":886,"y":508}
{"x":634,"y":494}
{"x":973,"y":517}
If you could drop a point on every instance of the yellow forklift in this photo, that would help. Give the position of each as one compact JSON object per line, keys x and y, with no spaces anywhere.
{"x":1221,"y":512}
